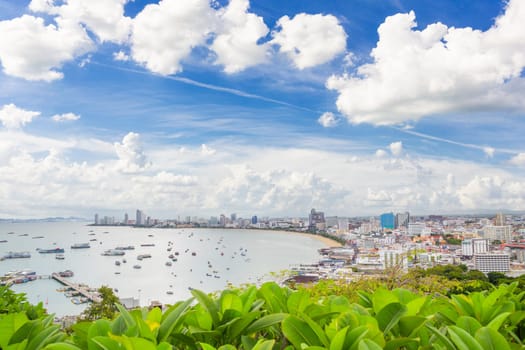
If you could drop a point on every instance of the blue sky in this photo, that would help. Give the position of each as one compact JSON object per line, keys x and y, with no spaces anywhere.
{"x":261,"y":107}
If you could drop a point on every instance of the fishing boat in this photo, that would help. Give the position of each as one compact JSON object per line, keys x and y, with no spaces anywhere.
{"x":80,"y":246}
{"x":113,"y":252}
{"x":60,"y":257}
{"x":50,"y":251}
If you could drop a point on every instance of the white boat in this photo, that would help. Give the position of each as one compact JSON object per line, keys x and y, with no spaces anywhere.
{"x":60,"y":256}
{"x":113,"y":252}
{"x":137,"y":266}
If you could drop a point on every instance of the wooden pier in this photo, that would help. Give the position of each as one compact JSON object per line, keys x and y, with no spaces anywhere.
{"x":81,"y":289}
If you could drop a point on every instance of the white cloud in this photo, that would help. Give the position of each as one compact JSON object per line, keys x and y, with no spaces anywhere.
{"x":440,"y":69}
{"x":489,"y":151}
{"x":65,"y":117}
{"x":13,"y":117}
{"x":130,"y":153}
{"x":120,"y":56}
{"x":518,"y":159}
{"x":328,"y":120}
{"x":381,"y":153}
{"x":207,"y":151}
{"x":105,"y":18}
{"x":165,"y":33}
{"x":31,"y":50}
{"x":236,"y":41}
{"x":396,"y":148}
{"x":310,"y":40}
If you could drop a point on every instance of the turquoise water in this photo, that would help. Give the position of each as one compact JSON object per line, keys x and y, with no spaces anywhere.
{"x":235,"y":256}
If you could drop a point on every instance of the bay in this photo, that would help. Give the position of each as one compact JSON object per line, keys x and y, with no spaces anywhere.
{"x":208,"y":259}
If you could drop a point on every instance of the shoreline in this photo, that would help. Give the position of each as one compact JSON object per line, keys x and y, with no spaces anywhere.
{"x":325,"y":240}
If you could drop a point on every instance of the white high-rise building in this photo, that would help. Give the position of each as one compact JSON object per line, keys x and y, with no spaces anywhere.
{"x":492,"y":262}
{"x":500,"y":233}
{"x":469,"y":247}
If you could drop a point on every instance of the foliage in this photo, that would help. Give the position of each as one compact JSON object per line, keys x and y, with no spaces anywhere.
{"x":105,"y":308}
{"x":11,"y":302}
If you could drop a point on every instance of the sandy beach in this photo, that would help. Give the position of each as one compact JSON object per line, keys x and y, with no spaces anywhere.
{"x":327,"y":241}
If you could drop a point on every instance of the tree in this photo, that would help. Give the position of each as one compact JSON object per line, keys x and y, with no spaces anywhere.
{"x":105,"y":308}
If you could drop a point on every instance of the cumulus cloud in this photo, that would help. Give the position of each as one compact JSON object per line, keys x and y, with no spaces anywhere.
{"x":13,"y":117}
{"x":437,"y":70}
{"x":207,"y":151}
{"x":65,"y":117}
{"x":396,"y":148}
{"x":31,"y":50}
{"x":236,"y":41}
{"x":105,"y":18}
{"x":309,"y":40}
{"x":328,"y":120}
{"x":518,"y":159}
{"x":130,"y":153}
{"x":120,"y":56}
{"x":381,"y":153}
{"x":164,"y":34}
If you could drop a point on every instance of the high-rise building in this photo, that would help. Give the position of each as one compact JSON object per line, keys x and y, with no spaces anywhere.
{"x":492,"y":262}
{"x":222,"y":220}
{"x":402,"y":219}
{"x":470,"y":247}
{"x":387,"y":221}
{"x":139,"y":220}
{"x":126,"y":219}
{"x":254,"y":219}
{"x":316,"y":220}
{"x":233,"y":217}
{"x":96,"y":219}
{"x":500,"y":220}
{"x":500,"y":233}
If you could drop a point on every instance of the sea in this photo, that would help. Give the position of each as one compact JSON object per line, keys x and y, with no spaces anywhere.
{"x":208,"y":259}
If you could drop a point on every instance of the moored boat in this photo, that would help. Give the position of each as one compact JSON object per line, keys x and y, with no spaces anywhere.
{"x":50,"y":251}
{"x":113,"y":252}
{"x":80,"y":245}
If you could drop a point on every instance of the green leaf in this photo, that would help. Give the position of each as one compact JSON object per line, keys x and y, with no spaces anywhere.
{"x":317,"y":329}
{"x":409,"y":325}
{"x":354,"y":337}
{"x":338,"y":341}
{"x":154,"y":315}
{"x":173,"y":318}
{"x":496,"y":322}
{"x":62,"y":346}
{"x":400,"y":343}
{"x":98,"y":328}
{"x":141,"y":344}
{"x":463,"y":305}
{"x":446,"y":341}
{"x":299,"y":332}
{"x":462,"y":339}
{"x":206,"y":346}
{"x":230,"y":301}
{"x":389,"y":316}
{"x":468,"y":323}
{"x":9,"y":324}
{"x":274,"y":297}
{"x":339,"y":304}
{"x":382,"y":298}
{"x":130,"y":322}
{"x":367,"y":344}
{"x":297,"y":302}
{"x":415,"y":306}
{"x":247,"y":342}
{"x":227,"y":347}
{"x":265,"y":322}
{"x":106,"y":343}
{"x":264,"y":345}
{"x":239,"y":326}
{"x":491,"y":339}
{"x":164,"y":345}
{"x":209,"y":304}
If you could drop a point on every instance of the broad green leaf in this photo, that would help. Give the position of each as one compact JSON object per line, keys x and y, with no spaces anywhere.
{"x":468,"y":323}
{"x":299,"y":332}
{"x":415,"y":306}
{"x":62,"y":346}
{"x":118,"y":326}
{"x":343,"y":320}
{"x":18,"y":346}
{"x":367,"y":344}
{"x":441,"y":337}
{"x":130,"y":321}
{"x":199,"y":317}
{"x":80,"y":334}
{"x":463,"y":305}
{"x":321,"y":335}
{"x":9,"y":324}
{"x":496,"y":322}
{"x":98,"y":328}
{"x":462,"y":339}
{"x":355,"y":336}
{"x":172,"y":319}
{"x":400,"y":343}
{"x":264,"y":345}
{"x":339,"y":304}
{"x":106,"y":343}
{"x":141,"y":344}
{"x":247,"y":342}
{"x":265,"y":322}
{"x":491,"y":339}
{"x":248,"y":296}
{"x":230,"y":301}
{"x":209,"y":304}
{"x":409,"y":325}
{"x":297,"y":302}
{"x":164,"y":345}
{"x":382,"y":298}
{"x":227,"y":347}
{"x":206,"y":346}
{"x":389,"y":316}
{"x":239,"y":326}
{"x":154,"y":315}
{"x":274,"y":297}
{"x":338,"y":341}
{"x":404,"y":296}
{"x":42,"y":338}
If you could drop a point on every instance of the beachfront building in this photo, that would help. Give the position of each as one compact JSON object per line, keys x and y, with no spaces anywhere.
{"x":316,"y":220}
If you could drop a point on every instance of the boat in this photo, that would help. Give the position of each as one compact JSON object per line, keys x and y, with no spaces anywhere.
{"x":50,"y":251}
{"x":143,"y":256}
{"x":113,"y":252}
{"x":37,"y":237}
{"x":80,"y":245}
{"x":60,"y":257}
{"x":10,"y":233}
{"x":169,"y":292}
{"x":124,"y":261}
{"x":168,"y":263}
{"x":117,"y":263}
{"x":17,"y":255}
{"x":3,"y":241}
{"x":193,"y":253}
{"x":128,"y":247}
{"x":147,"y":245}
{"x":137,"y":266}
{"x":93,"y":239}
{"x":66,"y":273}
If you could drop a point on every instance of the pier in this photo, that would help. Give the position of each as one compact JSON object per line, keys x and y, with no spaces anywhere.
{"x":81,"y":289}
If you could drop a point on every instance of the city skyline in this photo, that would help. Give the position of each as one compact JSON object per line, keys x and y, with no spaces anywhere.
{"x":271,"y":107}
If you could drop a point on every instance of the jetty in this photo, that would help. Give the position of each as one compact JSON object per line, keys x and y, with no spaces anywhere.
{"x":80,"y":288}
